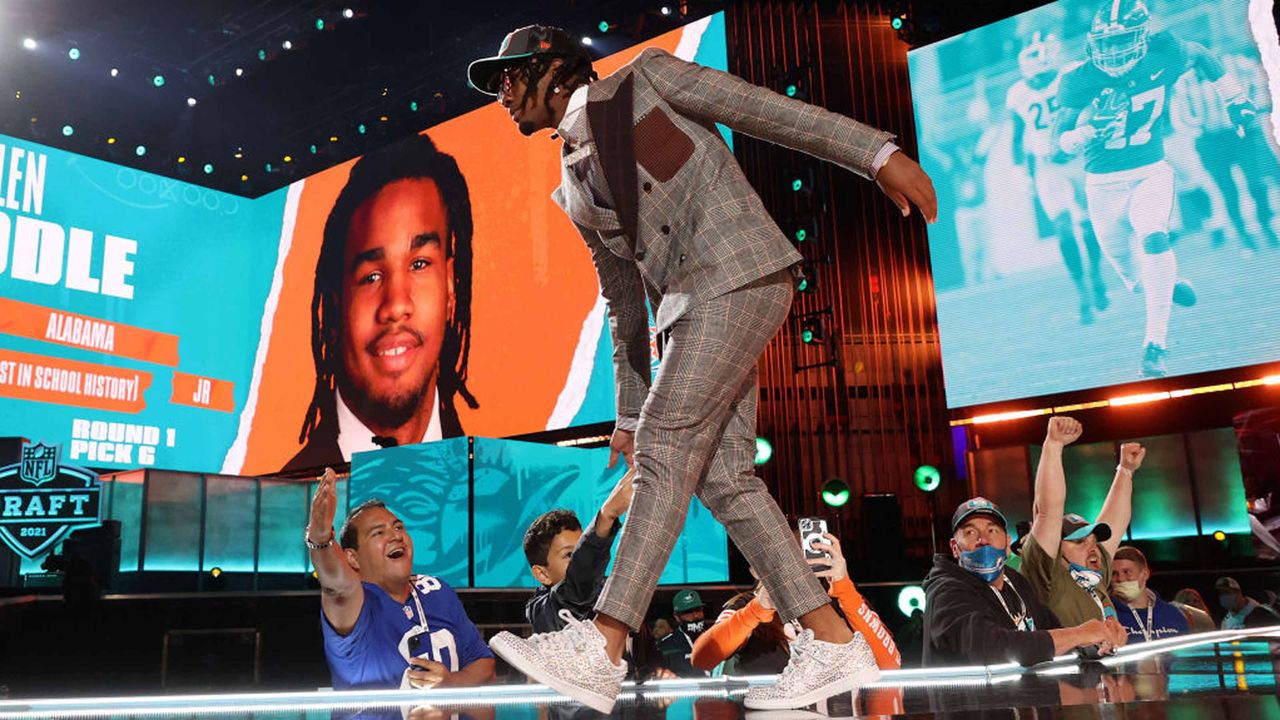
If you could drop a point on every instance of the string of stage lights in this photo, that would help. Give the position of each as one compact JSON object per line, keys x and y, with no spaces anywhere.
{"x":319,"y":23}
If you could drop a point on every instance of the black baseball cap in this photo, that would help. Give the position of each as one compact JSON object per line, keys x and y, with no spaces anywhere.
{"x":977,"y":506}
{"x":1076,"y":528}
{"x":519,"y":45}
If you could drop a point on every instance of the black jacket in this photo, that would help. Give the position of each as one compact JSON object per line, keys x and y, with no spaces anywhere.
{"x":579,"y":589}
{"x":965,"y":624}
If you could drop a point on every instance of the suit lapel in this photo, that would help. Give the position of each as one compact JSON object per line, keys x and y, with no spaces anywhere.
{"x":612,"y":127}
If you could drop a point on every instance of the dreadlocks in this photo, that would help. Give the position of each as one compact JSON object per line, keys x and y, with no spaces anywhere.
{"x":416,"y":157}
{"x":574,"y":70}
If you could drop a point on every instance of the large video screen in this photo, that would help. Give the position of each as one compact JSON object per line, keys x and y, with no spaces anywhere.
{"x":1108,"y":175}
{"x":146,"y":322}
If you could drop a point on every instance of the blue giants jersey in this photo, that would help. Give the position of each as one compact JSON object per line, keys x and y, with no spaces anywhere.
{"x":375,"y":654}
{"x":1130,"y":111}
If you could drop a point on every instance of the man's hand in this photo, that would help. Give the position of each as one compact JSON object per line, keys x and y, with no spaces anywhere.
{"x":1243,"y":114}
{"x":618,"y":502}
{"x":1072,"y":141}
{"x":1063,"y":431}
{"x":839,"y":569}
{"x":762,"y":597}
{"x":622,"y":443}
{"x":424,"y":674}
{"x":1131,"y":456}
{"x":1114,"y":636}
{"x":906,"y":184}
{"x":323,"y":506}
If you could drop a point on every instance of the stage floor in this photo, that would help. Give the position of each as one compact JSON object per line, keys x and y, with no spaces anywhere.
{"x":1227,"y":674}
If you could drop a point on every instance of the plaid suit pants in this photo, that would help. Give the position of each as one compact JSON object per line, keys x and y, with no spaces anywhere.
{"x":697,"y":435}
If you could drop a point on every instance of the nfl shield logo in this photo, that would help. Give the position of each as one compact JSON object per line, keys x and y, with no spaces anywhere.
{"x":39,"y":463}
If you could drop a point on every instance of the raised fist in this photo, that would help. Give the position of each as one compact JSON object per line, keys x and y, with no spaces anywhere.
{"x":1063,"y":430}
{"x":1131,"y":456}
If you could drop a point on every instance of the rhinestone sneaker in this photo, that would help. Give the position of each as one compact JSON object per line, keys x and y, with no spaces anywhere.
{"x":817,"y":670}
{"x":571,"y":661}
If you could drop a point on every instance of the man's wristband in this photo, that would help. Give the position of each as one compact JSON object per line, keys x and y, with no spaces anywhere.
{"x":311,"y":545}
{"x":1125,"y":470}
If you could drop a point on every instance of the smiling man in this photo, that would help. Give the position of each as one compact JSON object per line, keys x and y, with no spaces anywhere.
{"x":383,"y":626}
{"x":391,"y":307}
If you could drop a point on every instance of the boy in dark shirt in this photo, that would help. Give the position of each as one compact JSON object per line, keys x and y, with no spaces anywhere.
{"x":568,"y":563}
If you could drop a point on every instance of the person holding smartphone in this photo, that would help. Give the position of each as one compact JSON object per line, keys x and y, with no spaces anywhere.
{"x":748,"y":629}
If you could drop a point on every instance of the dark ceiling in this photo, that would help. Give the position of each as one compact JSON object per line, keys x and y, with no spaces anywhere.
{"x":395,"y":67}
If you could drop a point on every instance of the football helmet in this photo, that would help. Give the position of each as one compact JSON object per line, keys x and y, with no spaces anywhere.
{"x":1040,"y":56}
{"x":1118,"y":36}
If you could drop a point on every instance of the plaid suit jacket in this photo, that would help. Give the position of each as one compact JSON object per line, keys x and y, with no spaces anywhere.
{"x":686,"y":225}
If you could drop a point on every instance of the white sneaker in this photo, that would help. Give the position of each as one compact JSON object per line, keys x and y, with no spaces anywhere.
{"x":816,"y":671}
{"x":571,"y":661}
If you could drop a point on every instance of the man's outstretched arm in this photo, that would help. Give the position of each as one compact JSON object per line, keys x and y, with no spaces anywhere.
{"x":341,"y":595}
{"x":715,"y":96}
{"x":1051,"y":484}
{"x":1117,"y":510}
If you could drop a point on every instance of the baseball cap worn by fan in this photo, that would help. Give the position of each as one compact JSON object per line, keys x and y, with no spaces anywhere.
{"x":687,"y":600}
{"x":977,"y":506}
{"x":518,"y":46}
{"x":1075,"y":528}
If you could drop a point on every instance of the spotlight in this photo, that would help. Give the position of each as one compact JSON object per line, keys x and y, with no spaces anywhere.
{"x":804,"y":228}
{"x":208,"y":168}
{"x":811,"y":330}
{"x":928,"y":478}
{"x":665,"y":10}
{"x":288,"y":158}
{"x":810,"y":281}
{"x":1219,"y":536}
{"x":348,"y":13}
{"x":910,"y":599}
{"x":140,"y":150}
{"x":158,"y":81}
{"x":801,"y":180}
{"x":239,"y":72}
{"x":262,"y":54}
{"x":182,"y":159}
{"x":239,"y":153}
{"x":383,"y":118}
{"x":244,"y":178}
{"x":319,"y":23}
{"x":74,"y":53}
{"x":313,"y":149}
{"x":605,"y":26}
{"x":898,"y":22}
{"x":115,"y":72}
{"x":17,"y":94}
{"x":215,"y":572}
{"x":287,"y":45}
{"x":361,"y":129}
{"x":212,"y":80}
{"x":29,"y":43}
{"x":268,"y":167}
{"x":413,"y":106}
{"x":67,"y":130}
{"x":333,"y":138}
{"x":111,"y":141}
{"x":191,"y":102}
{"x":764,"y":450}
{"x":586,"y":40}
{"x":835,"y":493}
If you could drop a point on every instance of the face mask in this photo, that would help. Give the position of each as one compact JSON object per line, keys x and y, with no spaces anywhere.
{"x":1086,"y":578}
{"x":1228,"y":602}
{"x":1129,"y":590}
{"x":696,"y":627}
{"x":984,"y":561}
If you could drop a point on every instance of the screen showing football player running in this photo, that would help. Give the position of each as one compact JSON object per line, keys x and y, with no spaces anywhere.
{"x":1108,"y":175}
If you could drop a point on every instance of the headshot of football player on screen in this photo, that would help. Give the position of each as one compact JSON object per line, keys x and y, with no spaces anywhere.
{"x":391,"y":311}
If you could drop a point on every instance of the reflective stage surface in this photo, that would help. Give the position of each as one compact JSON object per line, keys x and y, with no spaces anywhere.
{"x":1229,"y":674}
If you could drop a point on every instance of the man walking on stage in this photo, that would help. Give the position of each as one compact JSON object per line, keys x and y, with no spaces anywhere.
{"x":669,"y":216}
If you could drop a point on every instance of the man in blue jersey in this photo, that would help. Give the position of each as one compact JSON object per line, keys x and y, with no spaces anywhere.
{"x":383,"y":626}
{"x":1114,"y":109}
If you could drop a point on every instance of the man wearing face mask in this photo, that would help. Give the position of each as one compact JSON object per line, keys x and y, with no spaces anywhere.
{"x":1066,"y":557}
{"x":1242,"y":610}
{"x":978,"y":611}
{"x":1143,"y":613}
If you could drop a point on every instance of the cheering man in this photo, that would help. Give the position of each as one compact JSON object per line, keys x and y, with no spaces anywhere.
{"x":669,"y":216}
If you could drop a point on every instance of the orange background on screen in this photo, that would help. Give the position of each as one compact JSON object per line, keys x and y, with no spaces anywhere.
{"x":532,"y":284}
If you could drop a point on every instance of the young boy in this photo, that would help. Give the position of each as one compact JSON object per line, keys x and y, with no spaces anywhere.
{"x":568,"y":563}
